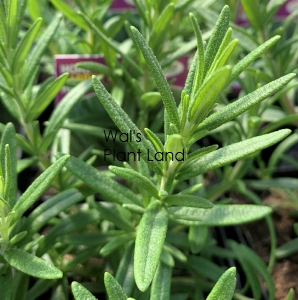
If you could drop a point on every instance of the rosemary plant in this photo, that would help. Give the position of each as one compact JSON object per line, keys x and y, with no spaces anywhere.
{"x":172,"y":161}
{"x":157,"y":220}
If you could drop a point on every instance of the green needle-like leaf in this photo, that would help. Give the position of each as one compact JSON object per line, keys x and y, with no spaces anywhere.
{"x":70,"y":14}
{"x":101,"y":183}
{"x":39,"y":185}
{"x":248,"y":59}
{"x":95,"y":67}
{"x":80,"y":292}
{"x":63,"y":108}
{"x":200,"y":52}
{"x":114,"y":289}
{"x":217,"y":36}
{"x":8,"y":162}
{"x":154,"y":140}
{"x":124,"y":273}
{"x":31,"y":264}
{"x":161,"y":26}
{"x":115,"y":243}
{"x":25,"y":46}
{"x":11,"y":13}
{"x":70,"y":223}
{"x":161,"y":284}
{"x":222,"y":215}
{"x":109,"y":213}
{"x":189,"y":83}
{"x":34,"y":57}
{"x":291,"y":294}
{"x":188,"y":200}
{"x":137,"y":178}
{"x":225,"y":286}
{"x":197,"y":237}
{"x":45,"y":98}
{"x":50,"y":208}
{"x":208,"y":93}
{"x":254,"y":14}
{"x":230,"y":154}
{"x":150,"y":239}
{"x":125,"y":124}
{"x":159,"y":78}
{"x":225,"y":55}
{"x":225,"y":42}
{"x":238,"y":107}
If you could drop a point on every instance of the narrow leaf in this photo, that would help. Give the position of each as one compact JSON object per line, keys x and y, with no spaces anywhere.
{"x":70,"y":223}
{"x":150,"y":238}
{"x":154,"y":140}
{"x":109,"y":43}
{"x":200,"y":52}
{"x":101,"y":183}
{"x":161,"y":284}
{"x":45,"y":98}
{"x":217,"y":36}
{"x":201,"y":152}
{"x":39,"y":185}
{"x":252,"y":56}
{"x":124,"y":123}
{"x":287,"y":249}
{"x":197,"y":237}
{"x":258,"y":264}
{"x":167,"y":258}
{"x":231,"y":153}
{"x":222,"y":215}
{"x":70,"y":14}
{"x":11,"y":8}
{"x":291,"y":294}
{"x":63,"y":108}
{"x":254,"y":14}
{"x":225,"y":42}
{"x":225,"y":286}
{"x":161,"y":26}
{"x":136,"y":178}
{"x":225,"y":55}
{"x":208,"y":93}
{"x":17,"y":237}
{"x":25,"y":45}
{"x":236,"y":108}
{"x":34,"y":57}
{"x":134,"y":208}
{"x":108,"y":212}
{"x":189,"y":83}
{"x":114,"y":289}
{"x":50,"y":208}
{"x":159,"y":78}
{"x":80,"y":292}
{"x":188,"y":200}
{"x":8,"y":138}
{"x":31,"y":264}
{"x":115,"y":243}
{"x":25,"y":163}
{"x":124,"y":274}
{"x":175,"y":252}
{"x":98,"y":68}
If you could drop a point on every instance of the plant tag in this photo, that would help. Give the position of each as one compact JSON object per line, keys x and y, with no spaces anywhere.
{"x":67,"y":63}
{"x":122,"y":5}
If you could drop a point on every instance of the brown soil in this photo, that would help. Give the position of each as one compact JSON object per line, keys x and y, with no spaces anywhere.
{"x":285,"y":271}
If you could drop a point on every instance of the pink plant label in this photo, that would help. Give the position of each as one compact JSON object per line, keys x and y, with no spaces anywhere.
{"x":120,"y":5}
{"x":66,"y":63}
